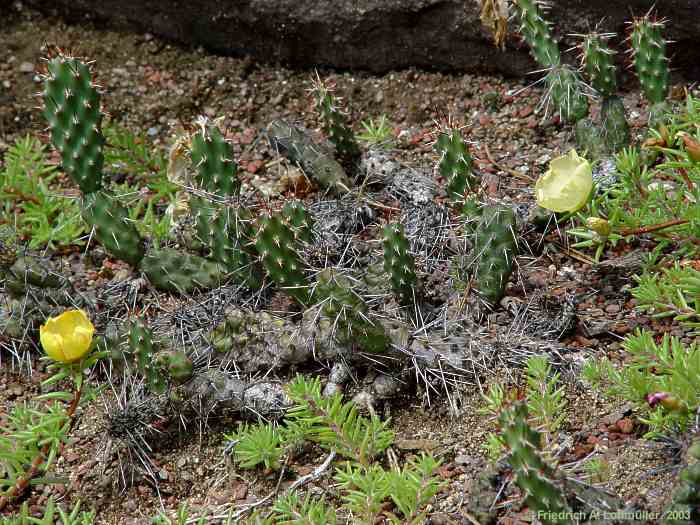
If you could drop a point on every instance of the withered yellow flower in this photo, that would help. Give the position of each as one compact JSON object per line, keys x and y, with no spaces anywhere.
{"x":566,"y":185}
{"x":67,"y":337}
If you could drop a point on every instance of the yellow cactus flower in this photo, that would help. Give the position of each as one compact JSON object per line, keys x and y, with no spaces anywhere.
{"x":566,"y":185}
{"x":598,"y":225}
{"x":67,"y":338}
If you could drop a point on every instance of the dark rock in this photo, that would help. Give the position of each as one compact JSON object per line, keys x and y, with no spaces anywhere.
{"x":378,"y":35}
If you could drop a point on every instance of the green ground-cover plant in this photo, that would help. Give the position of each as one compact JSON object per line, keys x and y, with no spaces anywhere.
{"x":661,"y":378}
{"x":52,"y":515}
{"x":364,"y":485}
{"x":376,"y":132}
{"x":29,"y":198}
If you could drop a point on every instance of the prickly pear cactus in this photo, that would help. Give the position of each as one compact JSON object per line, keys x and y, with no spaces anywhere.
{"x":398,"y":262}
{"x":534,"y":477}
{"x":495,"y":248}
{"x":276,"y":246}
{"x":224,"y":231}
{"x":649,"y":56}
{"x":212,"y":156}
{"x":348,"y":312}
{"x":299,"y":221}
{"x":8,"y":246}
{"x":616,"y":130}
{"x":334,"y":123}
{"x":174,"y":271}
{"x":536,"y":32}
{"x":112,"y":226}
{"x":72,"y":109}
{"x":455,"y":163}
{"x":176,"y":364}
{"x":141,"y":346}
{"x":597,"y":61}
{"x":565,"y":92}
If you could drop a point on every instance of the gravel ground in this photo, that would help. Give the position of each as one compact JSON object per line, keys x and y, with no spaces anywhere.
{"x":154,"y":86}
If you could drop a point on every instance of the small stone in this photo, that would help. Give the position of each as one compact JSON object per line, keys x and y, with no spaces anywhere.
{"x":626,"y":425}
{"x":463,"y":459}
{"x":526,"y":111}
{"x":612,"y":308}
{"x":26,"y":67}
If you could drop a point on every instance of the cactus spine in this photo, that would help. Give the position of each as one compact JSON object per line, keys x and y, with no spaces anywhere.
{"x":455,"y":163}
{"x":275,"y":243}
{"x":72,"y":109}
{"x":495,"y":248}
{"x":533,"y":475}
{"x":141,"y":346}
{"x":537,"y":33}
{"x":398,"y":262}
{"x":565,"y":90}
{"x":212,"y":156}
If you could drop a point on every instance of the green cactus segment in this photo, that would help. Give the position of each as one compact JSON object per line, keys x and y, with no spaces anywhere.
{"x":176,"y":364}
{"x":112,"y":227}
{"x":299,"y":221}
{"x":649,"y":55}
{"x":455,"y":163}
{"x":141,"y":346}
{"x":174,"y":271}
{"x":616,"y":130}
{"x":597,"y":60}
{"x":398,"y":262}
{"x":212,"y":156}
{"x":565,"y":92}
{"x":335,"y":125}
{"x":8,"y":246}
{"x":72,"y":109}
{"x":533,"y":475}
{"x":589,"y":139}
{"x":222,"y":230}
{"x":495,"y":248}
{"x":275,"y":244}
{"x":348,"y":312}
{"x":537,"y":33}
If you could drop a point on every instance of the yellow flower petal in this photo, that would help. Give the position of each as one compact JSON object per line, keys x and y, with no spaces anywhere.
{"x":566,"y":185}
{"x":67,"y":337}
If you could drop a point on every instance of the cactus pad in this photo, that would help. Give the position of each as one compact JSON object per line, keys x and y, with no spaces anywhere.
{"x":536,"y":32}
{"x":398,"y":262}
{"x":455,"y":163}
{"x":597,"y":59}
{"x":174,"y":271}
{"x":72,"y":109}
{"x":649,"y":55}
{"x":212,"y":156}
{"x":334,"y":123}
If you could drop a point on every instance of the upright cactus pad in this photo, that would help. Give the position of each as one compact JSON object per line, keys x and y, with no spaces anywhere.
{"x":616,"y":130}
{"x":455,"y":163}
{"x":565,"y":91}
{"x":72,"y":109}
{"x":537,"y":33}
{"x":112,"y":226}
{"x":495,"y":248}
{"x":212,"y":157}
{"x":398,"y":262}
{"x":597,"y":60}
{"x":176,"y":364}
{"x":334,"y":123}
{"x":141,"y":346}
{"x":275,"y":244}
{"x":174,"y":271}
{"x":533,"y":475}
{"x":649,"y":55}
{"x":348,"y":312}
{"x":299,"y":221}
{"x":223,"y":231}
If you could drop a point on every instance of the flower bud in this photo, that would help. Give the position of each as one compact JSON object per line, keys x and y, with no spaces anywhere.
{"x":599,"y":225}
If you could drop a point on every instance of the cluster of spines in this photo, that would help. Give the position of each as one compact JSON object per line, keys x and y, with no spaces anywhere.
{"x":399,"y":262}
{"x":455,"y":163}
{"x":533,"y":475}
{"x":334,"y":123}
{"x":648,"y":49}
{"x":299,"y":221}
{"x":566,"y":92}
{"x":495,"y":248}
{"x":277,"y":247}
{"x":537,"y":32}
{"x":8,"y":246}
{"x":72,"y":109}
{"x":597,"y":61}
{"x":348,"y":312}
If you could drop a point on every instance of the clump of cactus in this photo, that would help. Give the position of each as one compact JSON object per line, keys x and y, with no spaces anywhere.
{"x":495,"y":248}
{"x":455,"y":163}
{"x":276,"y":245}
{"x":334,"y":123}
{"x":686,"y":498}
{"x":399,"y":263}
{"x":533,"y":475}
{"x":648,"y":48}
{"x":348,"y":312}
